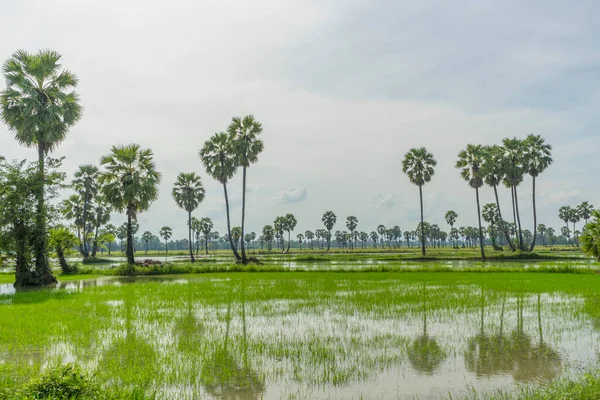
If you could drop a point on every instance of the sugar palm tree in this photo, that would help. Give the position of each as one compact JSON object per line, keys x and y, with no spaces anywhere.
{"x":514,"y":162}
{"x":418,"y":165}
{"x":585,"y":210}
{"x":469,"y":163}
{"x":300,"y":238}
{"x":219,"y":161}
{"x":247,"y":146}
{"x":289,"y":225}
{"x":72,"y":209}
{"x":206,"y":226}
{"x":165,"y":233}
{"x":86,"y":185}
{"x":574,"y":217}
{"x":538,"y":157}
{"x":188,"y":193}
{"x":351,"y":224}
{"x":329,"y":219}
{"x":374,"y":237}
{"x":147,"y":237}
{"x":130,"y":184}
{"x":39,"y":105}
{"x":100,"y":216}
{"x":541,"y":228}
{"x":564,"y":213}
{"x":309,"y":236}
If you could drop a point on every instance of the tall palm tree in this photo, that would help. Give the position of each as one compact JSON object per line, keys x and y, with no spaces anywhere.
{"x":300,"y":237}
{"x":450,"y":218}
{"x":165,"y":233}
{"x":418,"y":165}
{"x":538,"y":157}
{"x":381,"y":230}
{"x":469,"y":163}
{"x":329,"y":219}
{"x":513,"y":161}
{"x":494,"y":171}
{"x":289,"y":225}
{"x":206,"y":226}
{"x":188,"y":193}
{"x":39,"y":105}
{"x":585,"y":210}
{"x":247,"y":146}
{"x":351,"y":224}
{"x":541,"y":228}
{"x":130,"y":184}
{"x":219,"y":160}
{"x":86,"y":184}
{"x":72,"y":209}
{"x":564,"y":213}
{"x":147,"y":237}
{"x":309,"y":236}
{"x":100,"y":216}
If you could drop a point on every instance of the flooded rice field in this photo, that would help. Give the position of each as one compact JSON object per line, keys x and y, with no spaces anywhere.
{"x":313,"y":336}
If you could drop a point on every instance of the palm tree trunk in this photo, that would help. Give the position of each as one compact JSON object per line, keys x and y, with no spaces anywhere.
{"x":289,"y":241}
{"x":206,"y":242}
{"x":129,"y":245}
{"x":233,"y":248}
{"x":479,"y":220}
{"x":518,"y":219}
{"x":244,"y":258}
{"x":329,"y":240}
{"x":42,"y":267}
{"x":95,"y":245}
{"x":512,"y":194}
{"x":191,"y":244}
{"x":422,"y":221}
{"x":504,"y":230}
{"x":86,"y":251}
{"x":534,"y":219}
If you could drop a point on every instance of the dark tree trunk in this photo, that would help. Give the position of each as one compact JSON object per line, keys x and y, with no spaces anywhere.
{"x":191,"y":246}
{"x":129,"y":244}
{"x":479,"y":220}
{"x":521,"y":246}
{"x":86,"y":251}
{"x":206,"y":242}
{"x":42,"y":267}
{"x":534,"y":219}
{"x":512,"y":194}
{"x":167,"y":246}
{"x":233,"y":248}
{"x":504,"y":231}
{"x":244,"y":258}
{"x":289,"y":241}
{"x":147,"y":243}
{"x":95,"y":245}
{"x":64,"y":266}
{"x":422,"y":221}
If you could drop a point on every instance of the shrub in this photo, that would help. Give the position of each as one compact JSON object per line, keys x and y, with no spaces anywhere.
{"x":65,"y":382}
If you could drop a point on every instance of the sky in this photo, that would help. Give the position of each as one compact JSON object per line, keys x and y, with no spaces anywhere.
{"x":343,"y":88}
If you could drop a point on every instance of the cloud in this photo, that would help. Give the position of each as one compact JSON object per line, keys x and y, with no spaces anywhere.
{"x":292,"y":195}
{"x":381,"y":202}
{"x":560,"y":197}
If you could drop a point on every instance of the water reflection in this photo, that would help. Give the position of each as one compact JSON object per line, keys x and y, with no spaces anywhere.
{"x":424,"y":354}
{"x":512,"y":354}
{"x":224,"y":376}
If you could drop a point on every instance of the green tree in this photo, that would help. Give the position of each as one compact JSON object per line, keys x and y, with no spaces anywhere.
{"x":188,"y":193}
{"x":351,"y":224}
{"x":236,"y":233}
{"x":309,"y":236}
{"x":538,"y":157}
{"x":590,"y":238}
{"x":374,"y":238}
{"x":165,"y":233}
{"x":289,"y":225}
{"x":72,"y":209}
{"x":585,"y":210}
{"x":418,"y":165}
{"x":130,"y":184}
{"x":122,"y":235}
{"x":100,"y":216}
{"x":219,"y":160}
{"x":147,"y":237}
{"x":490,"y":215}
{"x":329,"y":219}
{"x":39,"y":105}
{"x":541,"y":228}
{"x":494,"y":172}
{"x":206,"y":226}
{"x":107,"y":236}
{"x":300,"y":238}
{"x":247,"y":145}
{"x":382,"y":230}
{"x":62,"y":240}
{"x":513,"y":162}
{"x":469,"y":163}
{"x":268,"y":232}
{"x":86,"y":185}
{"x":450,"y":218}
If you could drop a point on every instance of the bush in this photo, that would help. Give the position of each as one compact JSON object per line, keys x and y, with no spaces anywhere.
{"x":65,"y":382}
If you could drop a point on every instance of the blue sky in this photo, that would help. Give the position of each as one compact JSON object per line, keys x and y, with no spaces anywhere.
{"x":343,"y":88}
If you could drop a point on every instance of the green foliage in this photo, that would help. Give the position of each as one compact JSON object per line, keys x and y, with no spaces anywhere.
{"x":188,"y":191}
{"x":63,"y":383}
{"x":590,"y":238}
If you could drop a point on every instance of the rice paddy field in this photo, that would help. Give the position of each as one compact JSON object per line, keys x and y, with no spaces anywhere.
{"x":312,"y":333}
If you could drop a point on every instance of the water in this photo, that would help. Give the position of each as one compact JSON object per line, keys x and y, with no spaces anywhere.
{"x":334,"y":338}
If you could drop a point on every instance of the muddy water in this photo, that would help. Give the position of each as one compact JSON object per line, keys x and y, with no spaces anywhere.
{"x":328,"y":345}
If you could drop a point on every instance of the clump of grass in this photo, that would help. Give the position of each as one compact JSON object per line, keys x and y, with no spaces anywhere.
{"x":96,"y":260}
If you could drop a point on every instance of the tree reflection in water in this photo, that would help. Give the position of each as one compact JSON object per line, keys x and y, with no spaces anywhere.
{"x":513,"y":354}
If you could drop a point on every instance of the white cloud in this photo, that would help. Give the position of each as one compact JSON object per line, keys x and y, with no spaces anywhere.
{"x":381,"y":202}
{"x":292,"y":195}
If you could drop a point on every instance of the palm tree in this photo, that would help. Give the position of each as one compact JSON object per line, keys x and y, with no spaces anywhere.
{"x":450,"y":218}
{"x":418,"y":165}
{"x":537,"y":158}
{"x":236,"y":233}
{"x":39,"y":105}
{"x":219,"y":160}
{"x":147,"y":237}
{"x":374,"y":237}
{"x":86,"y":185}
{"x":490,"y":215}
{"x":493,"y":171}
{"x":289,"y":225}
{"x":108,"y":231}
{"x":268,"y":232}
{"x":247,"y":146}
{"x":101,"y":216}
{"x":590,"y":238}
{"x":564,"y":213}
{"x":300,"y":237}
{"x":351,"y":224}
{"x":309,"y":236}
{"x":329,"y":219}
{"x":206,"y":226}
{"x":513,"y":162}
{"x":574,"y":217}
{"x":130,"y":184}
{"x":585,"y":210}
{"x":541,"y":228}
{"x":550,"y":233}
{"x":188,"y":193}
{"x":72,"y":208}
{"x":381,"y":230}
{"x":469,"y":163}
{"x":165,"y":233}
